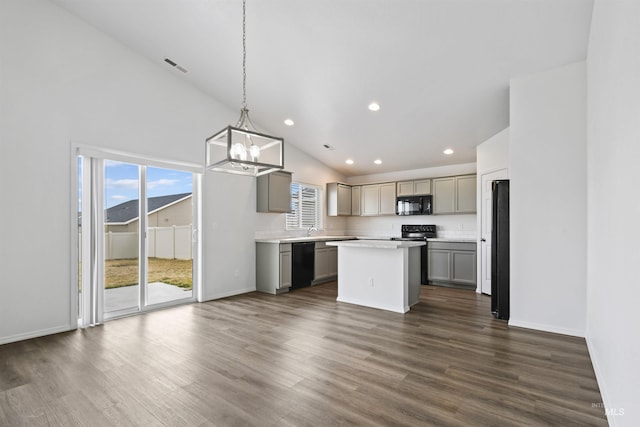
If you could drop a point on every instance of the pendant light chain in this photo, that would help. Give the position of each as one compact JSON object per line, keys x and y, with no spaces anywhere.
{"x":241,"y":149}
{"x":244,"y":54}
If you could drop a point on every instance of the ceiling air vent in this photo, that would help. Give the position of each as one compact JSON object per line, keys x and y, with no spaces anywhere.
{"x":175,"y":65}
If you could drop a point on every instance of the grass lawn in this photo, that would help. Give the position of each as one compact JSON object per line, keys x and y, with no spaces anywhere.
{"x":124,"y":272}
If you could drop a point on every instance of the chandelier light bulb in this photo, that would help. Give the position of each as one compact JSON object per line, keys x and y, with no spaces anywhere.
{"x":238,"y":151}
{"x":254,"y":151}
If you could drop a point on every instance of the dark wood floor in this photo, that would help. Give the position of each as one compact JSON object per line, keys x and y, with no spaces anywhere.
{"x":302,"y":359}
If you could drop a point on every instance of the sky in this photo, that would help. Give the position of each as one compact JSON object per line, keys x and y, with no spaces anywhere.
{"x":122,"y":184}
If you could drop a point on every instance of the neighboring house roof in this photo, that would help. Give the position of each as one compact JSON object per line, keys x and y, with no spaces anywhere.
{"x":126,"y":212}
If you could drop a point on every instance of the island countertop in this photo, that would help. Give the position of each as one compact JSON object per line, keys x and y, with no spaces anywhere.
{"x":380,"y":244}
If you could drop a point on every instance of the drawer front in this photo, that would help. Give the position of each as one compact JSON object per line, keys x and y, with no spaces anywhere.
{"x":285,"y":247}
{"x":452,"y":246}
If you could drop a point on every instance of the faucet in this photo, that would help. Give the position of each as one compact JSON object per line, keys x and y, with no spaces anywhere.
{"x":310,"y":230}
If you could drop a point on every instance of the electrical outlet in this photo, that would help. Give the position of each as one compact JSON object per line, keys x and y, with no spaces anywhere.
{"x":371,"y":282}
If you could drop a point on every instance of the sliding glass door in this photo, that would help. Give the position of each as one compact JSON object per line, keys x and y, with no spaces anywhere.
{"x":169,"y":235}
{"x":120,"y":223}
{"x":137,"y":236}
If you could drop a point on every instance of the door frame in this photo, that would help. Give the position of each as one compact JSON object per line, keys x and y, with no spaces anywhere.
{"x":97,"y":156}
{"x":480,"y":220}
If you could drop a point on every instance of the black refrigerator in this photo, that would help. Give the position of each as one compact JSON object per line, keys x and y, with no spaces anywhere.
{"x":500,"y":249}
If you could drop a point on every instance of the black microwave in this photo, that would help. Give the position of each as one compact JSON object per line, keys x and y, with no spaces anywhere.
{"x":413,"y":205}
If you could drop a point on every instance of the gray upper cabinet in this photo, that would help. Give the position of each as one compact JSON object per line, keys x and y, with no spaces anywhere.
{"x":413,"y":188}
{"x":405,"y":188}
{"x":338,"y":199}
{"x":379,"y":199}
{"x":356,"y":199}
{"x":455,"y":194}
{"x":387,"y":199}
{"x":443,"y":195}
{"x":466,"y":194}
{"x":370,"y":200}
{"x":274,"y":192}
{"x":422,"y":187}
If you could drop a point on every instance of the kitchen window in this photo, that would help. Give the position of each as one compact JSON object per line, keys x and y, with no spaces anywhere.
{"x":306,"y":207}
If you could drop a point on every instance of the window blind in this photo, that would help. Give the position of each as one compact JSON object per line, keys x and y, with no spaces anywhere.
{"x":306,"y":207}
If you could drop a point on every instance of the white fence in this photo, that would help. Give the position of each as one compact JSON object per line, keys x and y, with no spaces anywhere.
{"x":162,"y":242}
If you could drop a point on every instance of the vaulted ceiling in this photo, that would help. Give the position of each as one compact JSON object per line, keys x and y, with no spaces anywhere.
{"x":439,"y":69}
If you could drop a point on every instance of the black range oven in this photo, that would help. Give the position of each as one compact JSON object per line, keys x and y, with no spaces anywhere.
{"x":419,"y":233}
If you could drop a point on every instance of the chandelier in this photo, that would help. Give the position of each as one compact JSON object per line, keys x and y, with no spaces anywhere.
{"x":241,"y":149}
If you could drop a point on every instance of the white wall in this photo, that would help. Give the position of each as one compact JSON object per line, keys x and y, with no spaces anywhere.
{"x":228,"y":236}
{"x":493,"y":154}
{"x":613,"y":287}
{"x":62,"y":81}
{"x":547,"y":157}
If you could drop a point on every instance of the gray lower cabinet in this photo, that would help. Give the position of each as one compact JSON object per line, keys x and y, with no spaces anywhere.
{"x":273,"y":267}
{"x":326,"y":263}
{"x":452,"y":264}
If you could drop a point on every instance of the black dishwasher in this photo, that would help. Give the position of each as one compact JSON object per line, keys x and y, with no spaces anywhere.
{"x":303,"y":264}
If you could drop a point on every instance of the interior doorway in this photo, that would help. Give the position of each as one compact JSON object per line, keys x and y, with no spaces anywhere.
{"x":138,"y":246}
{"x":485,"y":226}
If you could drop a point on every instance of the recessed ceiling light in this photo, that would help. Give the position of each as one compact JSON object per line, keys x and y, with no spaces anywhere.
{"x":349,"y":161}
{"x":448,"y":151}
{"x":374,"y":106}
{"x":377,"y":161}
{"x":288,"y":122}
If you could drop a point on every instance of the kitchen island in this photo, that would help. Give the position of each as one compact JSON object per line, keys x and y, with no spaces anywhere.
{"x":383,"y":274}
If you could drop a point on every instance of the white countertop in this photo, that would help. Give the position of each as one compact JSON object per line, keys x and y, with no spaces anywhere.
{"x":380,"y":244}
{"x":304,"y":239}
{"x":299,"y":239}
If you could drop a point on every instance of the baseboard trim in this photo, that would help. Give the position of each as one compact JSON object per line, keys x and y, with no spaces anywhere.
{"x":546,"y":328}
{"x":611,"y":419}
{"x":396,"y":309}
{"x":228,"y":294}
{"x":36,"y":334}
